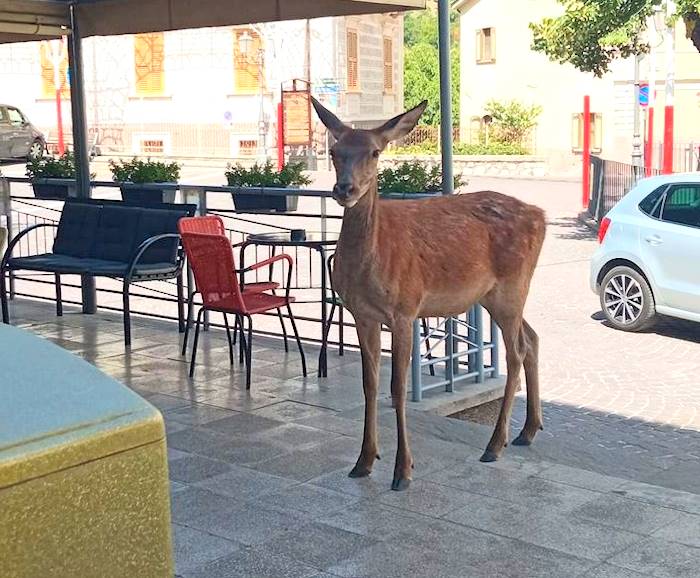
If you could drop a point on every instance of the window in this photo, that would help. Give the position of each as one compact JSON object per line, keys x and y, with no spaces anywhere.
{"x":149,"y":57}
{"x":388,"y":65}
{"x":650,"y":205}
{"x":596,"y":132}
{"x":682,"y":205}
{"x":16,"y":117}
{"x":352,"y":62}
{"x":48,"y":86}
{"x":247,"y":67}
{"x":485,"y":46}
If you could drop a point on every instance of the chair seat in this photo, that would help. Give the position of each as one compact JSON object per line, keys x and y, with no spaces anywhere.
{"x":254,"y":303}
{"x":260,"y":287}
{"x":66,"y":264}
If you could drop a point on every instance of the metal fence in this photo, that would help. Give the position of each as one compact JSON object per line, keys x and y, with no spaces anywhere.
{"x":448,"y":351}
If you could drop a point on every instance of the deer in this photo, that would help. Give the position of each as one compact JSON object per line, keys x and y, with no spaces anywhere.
{"x":397,"y":261}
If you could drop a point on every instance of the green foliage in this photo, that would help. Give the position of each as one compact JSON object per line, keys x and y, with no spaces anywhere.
{"x":462,"y":148}
{"x":512,"y":121}
{"x":590,"y":34}
{"x":412,"y":177}
{"x":266,"y":175}
{"x":422,"y":63}
{"x":52,"y":167}
{"x":140,"y":171}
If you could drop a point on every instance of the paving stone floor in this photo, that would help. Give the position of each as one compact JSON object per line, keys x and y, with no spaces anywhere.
{"x":260,"y":486}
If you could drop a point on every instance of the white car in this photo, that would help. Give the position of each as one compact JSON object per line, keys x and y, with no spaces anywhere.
{"x":648,"y":261}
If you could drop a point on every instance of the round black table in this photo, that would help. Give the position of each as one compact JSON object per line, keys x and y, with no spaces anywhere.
{"x":317,"y":241}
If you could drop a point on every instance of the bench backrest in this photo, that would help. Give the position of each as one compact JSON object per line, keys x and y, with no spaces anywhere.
{"x":113,"y":231}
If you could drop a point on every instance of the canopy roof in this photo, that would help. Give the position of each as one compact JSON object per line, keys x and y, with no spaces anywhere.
{"x":23,"y":20}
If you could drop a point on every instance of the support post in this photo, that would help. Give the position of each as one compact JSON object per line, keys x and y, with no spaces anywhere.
{"x":445,"y":96}
{"x":450,"y":354}
{"x":586,"y":181}
{"x":82,"y":160}
{"x":637,"y":160}
{"x":649,"y":149}
{"x":479,"y":331}
{"x":416,"y":385}
{"x":669,"y":49}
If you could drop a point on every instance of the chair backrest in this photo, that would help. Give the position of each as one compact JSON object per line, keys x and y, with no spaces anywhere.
{"x":211,"y":258}
{"x":113,"y":231}
{"x":210,"y":224}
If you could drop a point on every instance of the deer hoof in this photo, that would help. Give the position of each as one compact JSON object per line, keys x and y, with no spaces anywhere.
{"x":522,"y":440}
{"x":400,"y":484}
{"x":359,"y":472}
{"x":488,"y":456}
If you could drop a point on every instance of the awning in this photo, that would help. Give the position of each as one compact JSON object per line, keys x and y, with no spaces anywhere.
{"x":23,"y":20}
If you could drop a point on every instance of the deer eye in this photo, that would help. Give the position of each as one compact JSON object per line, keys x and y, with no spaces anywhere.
{"x":375,"y":153}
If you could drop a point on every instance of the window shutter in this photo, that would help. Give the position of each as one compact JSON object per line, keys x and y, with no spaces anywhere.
{"x":247,"y":78}
{"x":149,"y":57}
{"x":388,"y":65}
{"x":353,"y":72}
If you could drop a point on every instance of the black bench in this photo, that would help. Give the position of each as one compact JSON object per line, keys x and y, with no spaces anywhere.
{"x":108,"y":239}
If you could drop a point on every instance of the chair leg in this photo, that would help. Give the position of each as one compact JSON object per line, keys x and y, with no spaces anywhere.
{"x":248,"y":352}
{"x":426,"y":330}
{"x":3,"y":297}
{"x":340,"y":331}
{"x":59,"y":300}
{"x":284,"y":331}
{"x":188,"y":324}
{"x":296,"y":335}
{"x":241,"y":342}
{"x":127,"y":314}
{"x":196,"y":341}
{"x":228,"y":335}
{"x":180,"y":304}
{"x":324,"y":335}
{"x":235,"y":330}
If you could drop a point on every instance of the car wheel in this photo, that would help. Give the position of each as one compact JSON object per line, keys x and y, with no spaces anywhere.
{"x":36,"y":151}
{"x":626,"y":299}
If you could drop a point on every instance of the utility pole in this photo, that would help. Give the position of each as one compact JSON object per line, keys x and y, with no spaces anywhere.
{"x":670,"y":49}
{"x":637,"y":161}
{"x":649,"y":149}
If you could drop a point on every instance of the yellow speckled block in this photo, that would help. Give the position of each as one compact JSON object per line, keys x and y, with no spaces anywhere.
{"x":83,"y":470}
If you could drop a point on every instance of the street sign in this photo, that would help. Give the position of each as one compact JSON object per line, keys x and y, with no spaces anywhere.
{"x":644,"y":95}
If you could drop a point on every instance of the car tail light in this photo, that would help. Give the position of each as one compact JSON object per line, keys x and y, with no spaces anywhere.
{"x":603,"y":229}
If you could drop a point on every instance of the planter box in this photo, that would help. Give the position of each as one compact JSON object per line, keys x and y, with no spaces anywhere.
{"x":45,"y":189}
{"x":277,"y":203}
{"x":143,"y":196}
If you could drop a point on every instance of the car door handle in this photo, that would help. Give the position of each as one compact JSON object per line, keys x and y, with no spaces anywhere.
{"x":654,"y":240}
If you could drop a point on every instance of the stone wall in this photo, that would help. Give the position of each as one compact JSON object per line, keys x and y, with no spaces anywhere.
{"x":481,"y":165}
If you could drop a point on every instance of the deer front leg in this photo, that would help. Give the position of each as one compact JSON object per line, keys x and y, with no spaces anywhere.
{"x":401,"y":345}
{"x":368,"y":333}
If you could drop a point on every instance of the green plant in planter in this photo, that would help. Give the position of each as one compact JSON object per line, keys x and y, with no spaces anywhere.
{"x":266,"y":175}
{"x":52,"y":167}
{"x":140,"y":171}
{"x":412,"y":177}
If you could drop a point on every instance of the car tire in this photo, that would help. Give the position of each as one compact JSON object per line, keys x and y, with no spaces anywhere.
{"x":626,"y":299}
{"x":36,"y":150}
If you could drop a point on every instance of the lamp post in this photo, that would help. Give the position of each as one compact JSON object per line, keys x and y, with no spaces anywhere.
{"x":245,"y":45}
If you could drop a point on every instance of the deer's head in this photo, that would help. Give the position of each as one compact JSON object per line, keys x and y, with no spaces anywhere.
{"x":356,"y":152}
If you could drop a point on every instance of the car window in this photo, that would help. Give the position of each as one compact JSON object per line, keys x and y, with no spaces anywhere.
{"x":682,"y":205}
{"x":15,"y":116}
{"x":651,"y":205}
{"x":3,"y":115}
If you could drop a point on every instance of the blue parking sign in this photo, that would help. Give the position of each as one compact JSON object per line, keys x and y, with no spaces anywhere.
{"x":644,"y":94}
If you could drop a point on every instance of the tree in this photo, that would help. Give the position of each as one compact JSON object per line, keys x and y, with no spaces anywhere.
{"x":512,"y":121}
{"x":590,"y":34}
{"x":421,"y":64}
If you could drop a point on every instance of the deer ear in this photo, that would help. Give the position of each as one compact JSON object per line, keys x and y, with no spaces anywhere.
{"x":402,"y":124}
{"x":332,"y":122}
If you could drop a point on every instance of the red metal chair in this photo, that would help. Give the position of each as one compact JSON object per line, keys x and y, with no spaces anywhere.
{"x":211,"y":224}
{"x":211,"y":258}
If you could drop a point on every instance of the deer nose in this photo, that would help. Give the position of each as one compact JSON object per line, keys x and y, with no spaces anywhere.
{"x":343,"y":190}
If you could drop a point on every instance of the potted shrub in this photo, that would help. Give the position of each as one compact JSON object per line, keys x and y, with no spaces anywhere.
{"x":266,"y":175}
{"x":41,"y":169}
{"x":134,"y":174}
{"x":412,"y":177}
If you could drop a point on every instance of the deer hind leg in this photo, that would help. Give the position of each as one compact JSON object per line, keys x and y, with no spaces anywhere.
{"x":515,"y":352}
{"x":401,"y":343}
{"x":368,"y":333}
{"x":533,"y":422}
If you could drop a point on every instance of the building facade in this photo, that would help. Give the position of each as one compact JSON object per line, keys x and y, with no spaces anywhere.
{"x":206,"y":92}
{"x":498,"y":63}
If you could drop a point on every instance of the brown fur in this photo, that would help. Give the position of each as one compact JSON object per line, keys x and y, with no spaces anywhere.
{"x":400,"y":260}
